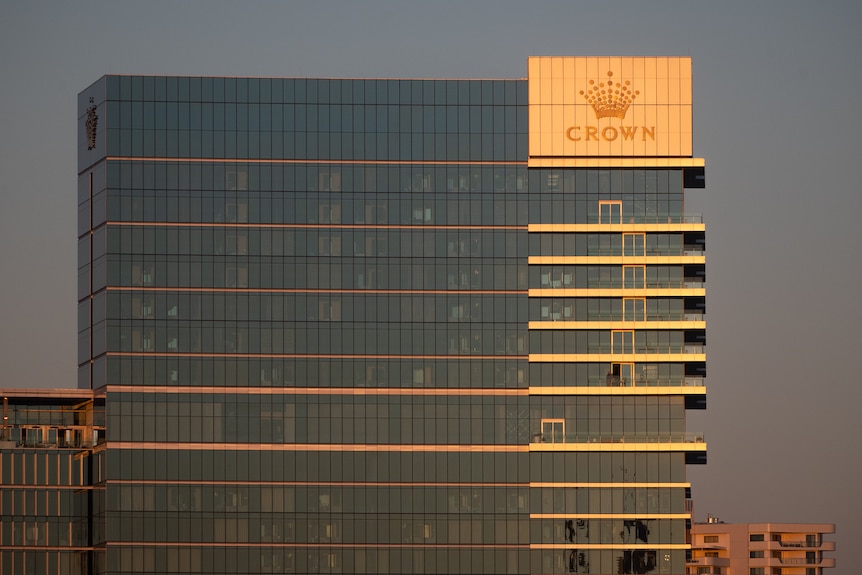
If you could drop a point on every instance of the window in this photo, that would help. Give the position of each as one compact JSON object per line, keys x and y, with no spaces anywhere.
{"x":421,"y":215}
{"x":236,"y":244}
{"x":710,"y":538}
{"x":456,"y":247}
{"x":755,"y":554}
{"x":236,"y":179}
{"x":556,"y":310}
{"x":422,"y":375}
{"x":375,"y":214}
{"x":557,"y":278}
{"x":236,"y":277}
{"x":236,"y":212}
{"x":329,"y":181}
{"x":329,"y":310}
{"x":374,"y":375}
{"x":755,"y":537}
{"x":329,"y":246}
{"x":329,"y":213}
{"x":370,"y":278}
{"x":756,"y":571}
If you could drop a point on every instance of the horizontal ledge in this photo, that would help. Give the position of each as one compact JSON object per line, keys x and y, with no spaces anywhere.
{"x":566,"y":325}
{"x":388,"y":447}
{"x":630,"y":227}
{"x":615,"y":260}
{"x":617,"y":292}
{"x":620,"y":446}
{"x":614,"y":162}
{"x":616,"y":357}
{"x":612,"y":546}
{"x":610,"y":515}
{"x":631,"y":390}
{"x":311,"y":161}
{"x":279,"y":390}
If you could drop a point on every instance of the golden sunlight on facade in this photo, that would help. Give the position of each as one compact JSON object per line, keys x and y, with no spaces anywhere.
{"x":760,"y":548}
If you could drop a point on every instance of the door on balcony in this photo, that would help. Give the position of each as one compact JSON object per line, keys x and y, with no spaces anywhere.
{"x":621,"y":375}
{"x":553,"y":431}
{"x":610,"y":212}
{"x":634,"y":244}
{"x":634,"y":276}
{"x":634,"y":309}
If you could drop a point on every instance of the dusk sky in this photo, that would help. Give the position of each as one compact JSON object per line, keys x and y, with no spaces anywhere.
{"x":777,"y":89}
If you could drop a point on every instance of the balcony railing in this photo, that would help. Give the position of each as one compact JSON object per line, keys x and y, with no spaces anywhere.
{"x":48,"y":437}
{"x":637,"y":381}
{"x":646,"y":349}
{"x":661,"y":437}
{"x":619,"y":316}
{"x":712,"y":561}
{"x":618,"y":251}
{"x":679,"y":219}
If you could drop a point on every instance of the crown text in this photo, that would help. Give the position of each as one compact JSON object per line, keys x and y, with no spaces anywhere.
{"x":610,"y":133}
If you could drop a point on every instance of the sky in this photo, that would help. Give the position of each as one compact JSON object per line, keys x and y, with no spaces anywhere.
{"x":777,"y":94}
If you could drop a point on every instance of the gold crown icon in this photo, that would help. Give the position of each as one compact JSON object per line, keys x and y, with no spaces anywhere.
{"x":610,"y":99}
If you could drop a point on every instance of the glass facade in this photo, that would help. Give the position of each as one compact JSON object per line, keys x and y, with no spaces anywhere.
{"x":341,"y":326}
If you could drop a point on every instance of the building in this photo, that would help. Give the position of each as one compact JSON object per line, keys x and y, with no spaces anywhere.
{"x":393,"y":326}
{"x":760,"y":548}
{"x":51,"y":456}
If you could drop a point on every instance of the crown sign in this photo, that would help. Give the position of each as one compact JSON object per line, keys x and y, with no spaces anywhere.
{"x":610,"y":99}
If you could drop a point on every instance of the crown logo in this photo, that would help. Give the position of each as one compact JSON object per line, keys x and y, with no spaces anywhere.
{"x":610,"y":99}
{"x":91,"y":124}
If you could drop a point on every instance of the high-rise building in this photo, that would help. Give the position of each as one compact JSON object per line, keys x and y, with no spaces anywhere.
{"x":760,"y":548}
{"x":393,"y":326}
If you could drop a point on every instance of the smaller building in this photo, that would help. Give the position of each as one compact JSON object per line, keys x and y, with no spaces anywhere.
{"x":52,"y":447}
{"x":719,"y":548}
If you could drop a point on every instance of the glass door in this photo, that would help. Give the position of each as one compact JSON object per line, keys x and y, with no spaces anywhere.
{"x":610,"y":212}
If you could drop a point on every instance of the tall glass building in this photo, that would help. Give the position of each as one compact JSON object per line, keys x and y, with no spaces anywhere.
{"x":393,"y":326}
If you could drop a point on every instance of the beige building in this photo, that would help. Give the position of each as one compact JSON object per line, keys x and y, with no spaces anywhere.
{"x":760,"y":548}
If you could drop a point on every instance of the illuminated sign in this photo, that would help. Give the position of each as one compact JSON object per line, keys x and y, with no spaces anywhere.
{"x":609,"y":107}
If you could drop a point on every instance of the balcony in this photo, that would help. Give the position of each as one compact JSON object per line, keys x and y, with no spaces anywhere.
{"x":646,"y":349}
{"x":801,"y":545}
{"x":53,"y":437}
{"x":554,"y":314}
{"x":691,"y":250}
{"x":660,"y":437}
{"x":688,"y":283}
{"x":711,"y":561}
{"x":641,"y":381}
{"x":678,"y":219}
{"x":777,"y":562}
